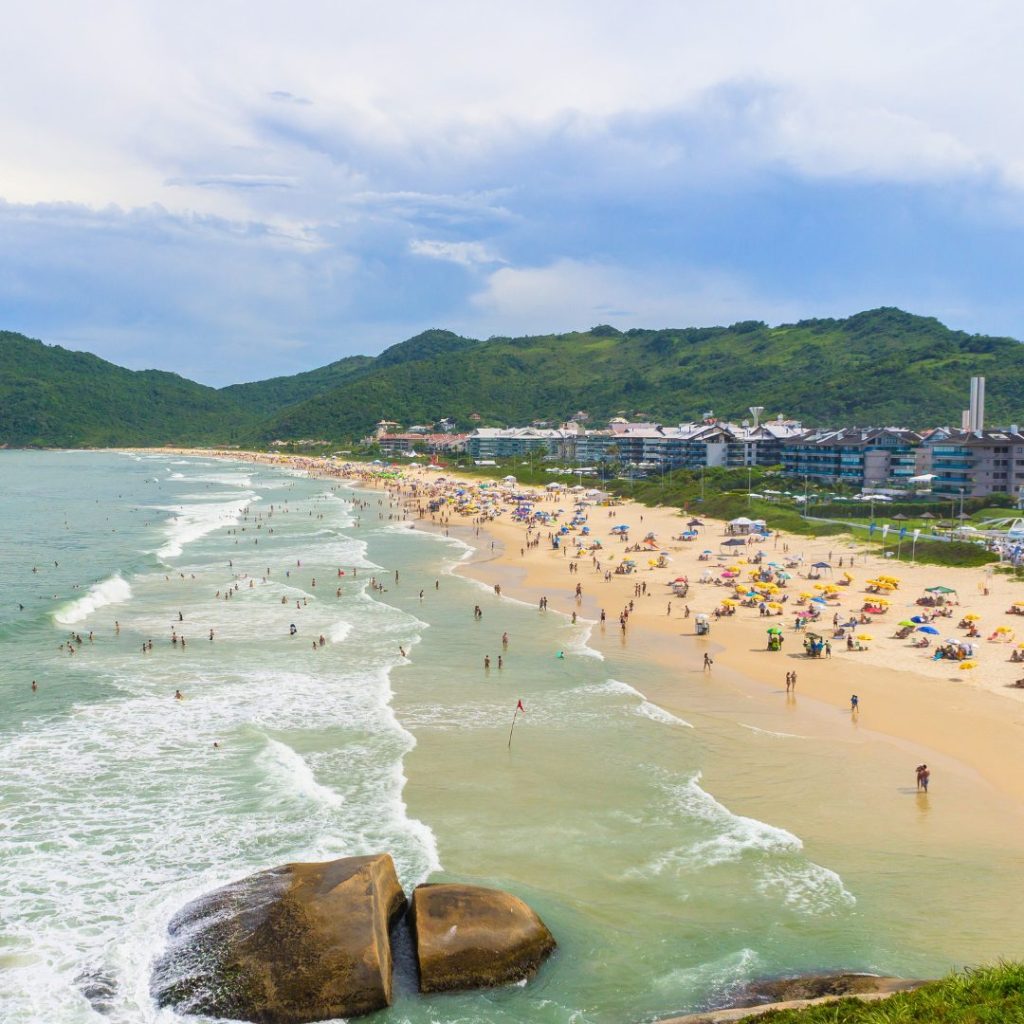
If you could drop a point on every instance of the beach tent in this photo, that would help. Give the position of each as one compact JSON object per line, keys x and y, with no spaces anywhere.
{"x":735,"y":542}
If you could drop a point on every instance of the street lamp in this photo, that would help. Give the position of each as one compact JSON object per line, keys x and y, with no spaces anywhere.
{"x":750,"y":471}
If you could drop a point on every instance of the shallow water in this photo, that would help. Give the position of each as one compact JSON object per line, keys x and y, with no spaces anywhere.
{"x":673,"y":856}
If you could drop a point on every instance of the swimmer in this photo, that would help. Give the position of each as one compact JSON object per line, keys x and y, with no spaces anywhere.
{"x":178,"y":695}
{"x":35,"y":686}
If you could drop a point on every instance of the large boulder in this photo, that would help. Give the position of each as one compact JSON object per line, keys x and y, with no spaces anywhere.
{"x":470,"y":937}
{"x":302,"y":942}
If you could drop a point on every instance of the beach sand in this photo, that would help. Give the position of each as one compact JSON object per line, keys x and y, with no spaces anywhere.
{"x":973,"y":717}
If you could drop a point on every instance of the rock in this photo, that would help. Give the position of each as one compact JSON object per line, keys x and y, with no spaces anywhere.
{"x":297,"y":943}
{"x":470,"y":937}
{"x":817,"y":986}
{"x":776,"y":994}
{"x":99,"y":987}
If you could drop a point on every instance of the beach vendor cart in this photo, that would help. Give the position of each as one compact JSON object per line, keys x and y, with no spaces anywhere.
{"x":703,"y":624}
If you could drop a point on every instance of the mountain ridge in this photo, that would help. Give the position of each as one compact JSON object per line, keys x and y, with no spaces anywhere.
{"x":877,"y":366}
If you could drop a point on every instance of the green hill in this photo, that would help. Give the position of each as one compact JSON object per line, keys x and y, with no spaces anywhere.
{"x":264,"y":397}
{"x":51,"y":396}
{"x":884,"y":366}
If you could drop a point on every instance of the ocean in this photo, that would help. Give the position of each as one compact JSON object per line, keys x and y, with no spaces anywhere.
{"x":119,"y":803}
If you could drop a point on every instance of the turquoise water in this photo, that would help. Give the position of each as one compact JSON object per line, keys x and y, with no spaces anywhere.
{"x":116,"y":807}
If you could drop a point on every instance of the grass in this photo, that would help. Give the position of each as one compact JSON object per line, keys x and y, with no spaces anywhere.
{"x":985,"y":995}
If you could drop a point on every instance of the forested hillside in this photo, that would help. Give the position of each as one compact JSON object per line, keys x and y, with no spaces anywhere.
{"x":883,"y":366}
{"x":55,"y":397}
{"x":879,"y":367}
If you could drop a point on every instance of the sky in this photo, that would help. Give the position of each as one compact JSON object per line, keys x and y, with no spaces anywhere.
{"x":243,"y":189}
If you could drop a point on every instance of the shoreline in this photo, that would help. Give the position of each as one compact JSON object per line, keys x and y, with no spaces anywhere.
{"x":979,"y":726}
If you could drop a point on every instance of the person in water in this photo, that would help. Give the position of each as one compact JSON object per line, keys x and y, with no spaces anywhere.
{"x":178,"y":695}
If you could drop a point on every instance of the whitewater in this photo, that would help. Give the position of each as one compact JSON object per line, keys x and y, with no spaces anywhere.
{"x":119,"y":803}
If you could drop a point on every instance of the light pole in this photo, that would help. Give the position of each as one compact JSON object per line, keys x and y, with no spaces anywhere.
{"x":702,"y":481}
{"x":961,"y":516}
{"x":750,"y":472}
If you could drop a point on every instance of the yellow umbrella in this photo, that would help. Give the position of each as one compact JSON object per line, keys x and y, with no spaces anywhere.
{"x":831,"y":588}
{"x":865,"y":636}
{"x":1018,"y":604}
{"x":965,"y":665}
{"x":972,"y":616}
{"x":1003,"y":629}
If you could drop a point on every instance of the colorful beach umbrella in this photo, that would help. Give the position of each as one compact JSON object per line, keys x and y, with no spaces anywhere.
{"x":928,"y":629}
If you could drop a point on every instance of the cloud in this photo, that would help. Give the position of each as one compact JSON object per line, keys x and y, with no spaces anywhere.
{"x":281,"y":96}
{"x":693,"y":163}
{"x":573,"y":295}
{"x":466,"y":254}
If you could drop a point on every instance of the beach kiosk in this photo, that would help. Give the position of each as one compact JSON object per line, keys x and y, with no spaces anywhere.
{"x":702,"y":623}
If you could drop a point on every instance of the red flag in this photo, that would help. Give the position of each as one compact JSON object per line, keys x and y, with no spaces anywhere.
{"x":519,"y":706}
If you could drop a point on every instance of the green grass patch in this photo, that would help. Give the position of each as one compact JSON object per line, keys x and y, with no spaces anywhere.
{"x":984,"y":995}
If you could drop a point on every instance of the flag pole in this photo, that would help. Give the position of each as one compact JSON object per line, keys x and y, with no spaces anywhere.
{"x":519,"y":707}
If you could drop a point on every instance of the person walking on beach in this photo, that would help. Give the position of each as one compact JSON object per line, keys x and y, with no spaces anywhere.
{"x":707,"y":662}
{"x":854,"y":704}
{"x":923,"y":775}
{"x":792,"y":681}
{"x":789,"y":681}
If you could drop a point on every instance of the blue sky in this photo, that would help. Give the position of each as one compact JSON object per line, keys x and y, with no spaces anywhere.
{"x":240,"y":190}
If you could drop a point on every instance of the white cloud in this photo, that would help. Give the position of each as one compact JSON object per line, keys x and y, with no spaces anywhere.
{"x":574,"y":295}
{"x":466,"y":254}
{"x":134,"y":95}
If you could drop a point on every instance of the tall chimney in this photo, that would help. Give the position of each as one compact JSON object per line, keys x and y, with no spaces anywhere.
{"x":977,"y":418}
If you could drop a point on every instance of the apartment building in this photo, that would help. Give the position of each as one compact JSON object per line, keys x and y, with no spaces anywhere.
{"x":976,"y":462}
{"x":859,"y":457}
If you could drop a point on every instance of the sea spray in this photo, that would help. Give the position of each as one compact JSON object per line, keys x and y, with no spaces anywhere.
{"x":113,"y":590}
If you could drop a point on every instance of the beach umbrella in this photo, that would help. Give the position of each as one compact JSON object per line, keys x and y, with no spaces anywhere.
{"x":905,"y":622}
{"x":966,"y":665}
{"x":822,"y":565}
{"x":918,"y":618}
{"x":928,"y":629}
{"x":865,"y":636}
{"x":972,"y":616}
{"x":774,"y":629}
{"x":939,"y":590}
{"x":819,"y":600}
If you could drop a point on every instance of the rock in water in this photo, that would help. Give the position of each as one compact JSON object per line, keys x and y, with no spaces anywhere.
{"x":469,"y":937}
{"x":302,"y":942}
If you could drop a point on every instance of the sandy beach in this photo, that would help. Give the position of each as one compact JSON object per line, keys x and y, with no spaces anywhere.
{"x":974,"y":717}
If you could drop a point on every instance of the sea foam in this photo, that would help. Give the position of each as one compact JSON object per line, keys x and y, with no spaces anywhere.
{"x":113,"y":590}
